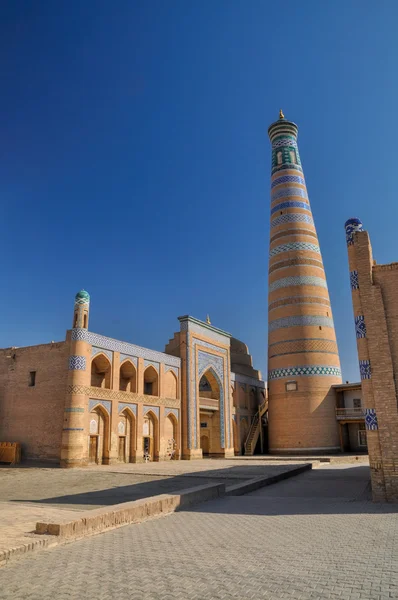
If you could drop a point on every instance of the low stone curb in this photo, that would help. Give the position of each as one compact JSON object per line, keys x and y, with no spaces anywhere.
{"x":136,"y":511}
{"x":254,"y":484}
{"x":6,"y":555}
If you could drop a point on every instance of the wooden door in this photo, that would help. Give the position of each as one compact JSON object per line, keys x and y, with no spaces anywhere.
{"x":122,"y":449}
{"x":93,"y":448}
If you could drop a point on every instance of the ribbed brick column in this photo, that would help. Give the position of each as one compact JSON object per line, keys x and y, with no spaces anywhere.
{"x":303,"y":360}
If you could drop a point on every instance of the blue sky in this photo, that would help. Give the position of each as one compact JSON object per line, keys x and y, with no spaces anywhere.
{"x":134,"y":158}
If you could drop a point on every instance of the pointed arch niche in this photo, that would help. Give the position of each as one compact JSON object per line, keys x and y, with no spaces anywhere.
{"x":128,"y":377}
{"x":98,"y":442}
{"x":127,"y":436}
{"x":210,"y":390}
{"x":151,"y":381}
{"x":101,"y":370}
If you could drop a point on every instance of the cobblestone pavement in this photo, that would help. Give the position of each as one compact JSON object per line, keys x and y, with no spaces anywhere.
{"x":28,"y":495}
{"x":315,"y":536}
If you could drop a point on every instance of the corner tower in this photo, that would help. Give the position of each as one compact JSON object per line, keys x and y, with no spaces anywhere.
{"x":303,"y":360}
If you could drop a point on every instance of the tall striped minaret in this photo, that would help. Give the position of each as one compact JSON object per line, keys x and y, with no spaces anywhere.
{"x":303,"y":360}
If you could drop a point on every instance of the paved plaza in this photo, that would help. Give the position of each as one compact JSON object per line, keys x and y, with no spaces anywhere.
{"x":32,"y":494}
{"x":314,"y":536}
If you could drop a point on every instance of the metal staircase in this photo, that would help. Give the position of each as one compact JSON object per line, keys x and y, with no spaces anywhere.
{"x":255,"y":429}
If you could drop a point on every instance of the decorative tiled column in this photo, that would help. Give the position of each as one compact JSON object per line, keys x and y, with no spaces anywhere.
{"x":303,"y":360}
{"x":352,"y":226}
{"x":74,"y":450}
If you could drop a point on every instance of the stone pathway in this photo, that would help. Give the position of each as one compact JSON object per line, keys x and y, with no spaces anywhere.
{"x":28,"y":495}
{"x":316,"y":536}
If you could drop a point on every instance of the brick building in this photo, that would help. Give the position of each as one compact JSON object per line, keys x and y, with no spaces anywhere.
{"x":374,"y":298}
{"x":93,"y":399}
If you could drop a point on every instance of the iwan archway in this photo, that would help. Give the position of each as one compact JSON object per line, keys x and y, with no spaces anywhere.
{"x":210,"y":390}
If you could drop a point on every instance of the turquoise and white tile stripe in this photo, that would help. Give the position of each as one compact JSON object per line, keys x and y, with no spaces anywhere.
{"x":305,"y":370}
{"x":300,"y":321}
{"x":288,"y":192}
{"x":288,"y":179}
{"x":294,"y":246}
{"x":298,"y":280}
{"x":292,"y":218}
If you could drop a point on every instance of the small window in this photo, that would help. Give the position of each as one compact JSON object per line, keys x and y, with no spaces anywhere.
{"x":357,"y":403}
{"x":148,"y":388}
{"x":362,"y":438}
{"x":293,"y":158}
{"x":203,"y":425}
{"x":327,"y":314}
{"x":279,"y":158}
{"x":75,"y":322}
{"x":320,"y":327}
{"x":281,"y":212}
{"x":291,"y":386}
{"x":32,"y":378}
{"x":85,"y":321}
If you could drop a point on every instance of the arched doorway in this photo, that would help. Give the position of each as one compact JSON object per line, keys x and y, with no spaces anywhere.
{"x":150,"y":436}
{"x":126,"y":436}
{"x":98,"y":443}
{"x":101,"y":372}
{"x":151,"y":381}
{"x":210,"y":389}
{"x":171,"y":436}
{"x":244,"y":429}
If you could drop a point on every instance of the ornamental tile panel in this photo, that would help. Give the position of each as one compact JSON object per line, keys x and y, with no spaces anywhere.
{"x":351,"y":227}
{"x":291,"y":204}
{"x":108,"y":353}
{"x":292,"y":218}
{"x":133,"y":359}
{"x":105,"y":403}
{"x":105,"y":343}
{"x":360,"y":327}
{"x":298,"y":280}
{"x":288,"y":247}
{"x":300,"y":321}
{"x":354,"y":280}
{"x":172,"y":411}
{"x":305,"y":371}
{"x":128,"y":397}
{"x":122,"y":405}
{"x":365,"y":369}
{"x":288,"y":179}
{"x":285,"y":141}
{"x":174,"y":369}
{"x":371,"y":423}
{"x":154,"y":409}
{"x":77,"y":363}
{"x":151,"y":363}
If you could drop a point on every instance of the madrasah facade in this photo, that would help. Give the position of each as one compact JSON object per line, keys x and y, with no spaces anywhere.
{"x":93,"y":399}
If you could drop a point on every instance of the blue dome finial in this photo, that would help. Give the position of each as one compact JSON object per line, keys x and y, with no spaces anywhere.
{"x":82,"y":297}
{"x":351,"y":226}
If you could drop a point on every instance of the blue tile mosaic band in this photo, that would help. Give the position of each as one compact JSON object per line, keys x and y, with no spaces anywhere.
{"x":284,"y":167}
{"x":292,"y":218}
{"x":122,"y":405}
{"x":174,"y":369}
{"x":352,"y":226}
{"x":294,"y":246}
{"x":365,"y":369}
{"x":284,"y":141}
{"x":288,"y":179}
{"x":105,"y":403}
{"x":73,"y":429}
{"x":360,"y":327}
{"x":298,"y":280}
{"x":371,"y":423}
{"x":288,"y":193}
{"x":354,"y":280}
{"x":105,"y":343}
{"x":291,"y":204}
{"x":305,"y":371}
{"x":300,"y":321}
{"x":77,"y":363}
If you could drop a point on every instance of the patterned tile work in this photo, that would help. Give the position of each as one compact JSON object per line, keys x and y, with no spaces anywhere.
{"x":174,"y":369}
{"x":291,"y":204}
{"x":292,"y":218}
{"x":306,"y":371}
{"x":73,"y":429}
{"x":77,"y":363}
{"x":302,"y":345}
{"x":173,"y":411}
{"x":154,"y":409}
{"x":360,"y":327}
{"x":299,"y":280}
{"x":128,"y":397}
{"x":106,"y":343}
{"x":108,"y":353}
{"x":294,"y":246}
{"x":354,"y":280}
{"x":351,"y":226}
{"x":288,"y":193}
{"x":206,"y":331}
{"x":133,"y":359}
{"x":299,"y":300}
{"x":151,"y":363}
{"x":284,"y":141}
{"x":299,"y":262}
{"x":300,"y":321}
{"x":94,"y":402}
{"x":365,"y":369}
{"x":122,"y":405}
{"x":371,"y":423}
{"x":297,"y":231}
{"x":288,"y":179}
